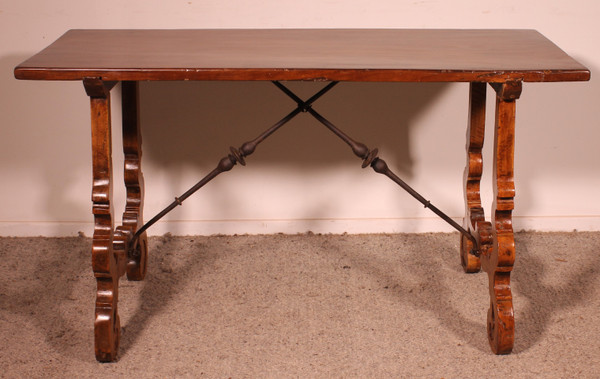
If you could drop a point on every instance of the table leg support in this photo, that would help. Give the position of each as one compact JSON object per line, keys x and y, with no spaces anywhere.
{"x":107,"y":265}
{"x":474,"y":220}
{"x":498,"y":262}
{"x":137,"y":253}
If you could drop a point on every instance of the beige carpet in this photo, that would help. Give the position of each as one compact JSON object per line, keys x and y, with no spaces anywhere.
{"x":307,"y":306}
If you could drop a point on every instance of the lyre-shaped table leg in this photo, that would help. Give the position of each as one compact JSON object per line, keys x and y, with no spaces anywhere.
{"x":107,"y":266}
{"x":474,"y":220}
{"x":498,"y":262}
{"x":134,"y":184}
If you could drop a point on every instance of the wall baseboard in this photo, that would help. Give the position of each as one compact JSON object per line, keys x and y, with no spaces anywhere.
{"x":333,"y":226}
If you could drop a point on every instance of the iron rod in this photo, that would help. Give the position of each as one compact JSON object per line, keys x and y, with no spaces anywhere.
{"x":381,"y":167}
{"x":301,"y":103}
{"x":361,"y":150}
{"x":178,"y":201}
{"x":224,"y":165}
{"x":248,"y":147}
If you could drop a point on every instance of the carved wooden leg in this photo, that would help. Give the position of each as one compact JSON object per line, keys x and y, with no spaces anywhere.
{"x":134,"y":183}
{"x":474,"y":220}
{"x":498,"y":262}
{"x":106,"y":265}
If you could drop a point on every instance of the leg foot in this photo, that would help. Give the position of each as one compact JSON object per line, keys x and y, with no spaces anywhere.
{"x":501,"y":320}
{"x":107,"y":326}
{"x":136,"y":264}
{"x":469,"y":262}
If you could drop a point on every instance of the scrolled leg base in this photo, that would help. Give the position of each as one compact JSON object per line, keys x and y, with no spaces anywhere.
{"x":107,"y":325}
{"x":136,"y":263}
{"x":107,"y":330}
{"x":469,"y":262}
{"x":501,"y":325}
{"x":483,"y":231}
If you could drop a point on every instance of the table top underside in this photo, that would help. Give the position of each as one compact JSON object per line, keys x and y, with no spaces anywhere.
{"x":405,"y":55}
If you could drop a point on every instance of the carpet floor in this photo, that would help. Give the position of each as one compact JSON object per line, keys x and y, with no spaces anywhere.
{"x":302,"y":306}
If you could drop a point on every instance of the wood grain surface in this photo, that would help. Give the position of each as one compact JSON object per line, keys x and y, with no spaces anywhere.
{"x":304,"y":54}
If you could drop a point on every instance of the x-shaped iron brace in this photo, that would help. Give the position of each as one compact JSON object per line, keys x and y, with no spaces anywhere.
{"x":368,"y":156}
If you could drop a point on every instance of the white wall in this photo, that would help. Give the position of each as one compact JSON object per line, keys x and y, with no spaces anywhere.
{"x":303,"y":178}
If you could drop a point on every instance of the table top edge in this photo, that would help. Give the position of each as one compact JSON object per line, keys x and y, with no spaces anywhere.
{"x":560,"y":66}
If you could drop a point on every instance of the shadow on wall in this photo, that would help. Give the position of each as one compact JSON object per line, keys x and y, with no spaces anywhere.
{"x":195,"y":122}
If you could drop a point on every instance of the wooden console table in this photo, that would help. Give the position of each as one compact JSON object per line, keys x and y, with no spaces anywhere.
{"x":503,"y":58}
